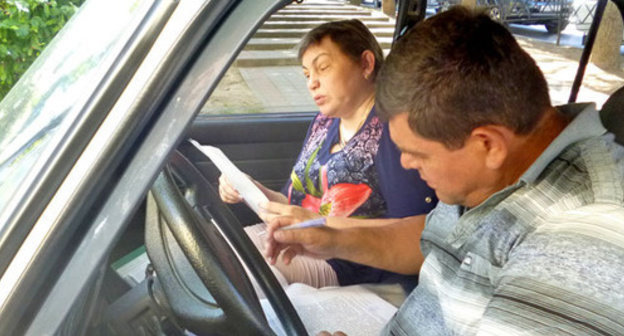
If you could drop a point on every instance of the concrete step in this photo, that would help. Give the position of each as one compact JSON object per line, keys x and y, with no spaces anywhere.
{"x":321,"y":12}
{"x":324,"y":8}
{"x":290,"y":43}
{"x":272,"y":43}
{"x":256,"y":58}
{"x":325,"y":17}
{"x":327,"y":5}
{"x":312,"y":24}
{"x":277,"y":33}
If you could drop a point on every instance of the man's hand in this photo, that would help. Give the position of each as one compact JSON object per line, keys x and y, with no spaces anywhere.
{"x":394,"y":247}
{"x":273,"y":210}
{"x":317,"y":243}
{"x":326,"y":333}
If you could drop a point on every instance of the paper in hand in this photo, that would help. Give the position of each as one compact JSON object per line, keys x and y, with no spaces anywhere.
{"x":250,"y":193}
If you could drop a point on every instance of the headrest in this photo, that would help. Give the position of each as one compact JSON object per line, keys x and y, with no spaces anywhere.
{"x":612,"y":115}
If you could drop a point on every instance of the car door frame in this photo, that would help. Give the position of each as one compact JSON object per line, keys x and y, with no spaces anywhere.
{"x":135,"y":152}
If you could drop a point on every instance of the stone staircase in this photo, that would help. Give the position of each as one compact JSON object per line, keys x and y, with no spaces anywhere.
{"x":275,"y":43}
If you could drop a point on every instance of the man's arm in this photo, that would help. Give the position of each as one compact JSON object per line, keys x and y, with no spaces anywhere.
{"x":394,"y":247}
{"x":296,"y":214}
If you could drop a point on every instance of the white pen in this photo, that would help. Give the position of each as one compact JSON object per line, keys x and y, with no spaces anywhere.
{"x":316,"y":222}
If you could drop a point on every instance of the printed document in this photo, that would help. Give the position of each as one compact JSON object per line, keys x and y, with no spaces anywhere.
{"x":354,"y":310}
{"x":251,"y":194}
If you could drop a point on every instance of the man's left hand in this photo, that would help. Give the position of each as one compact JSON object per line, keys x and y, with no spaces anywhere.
{"x":325,"y":333}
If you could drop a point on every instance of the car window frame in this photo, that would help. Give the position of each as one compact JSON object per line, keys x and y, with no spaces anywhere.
{"x":185,"y":93}
{"x":27,"y":205}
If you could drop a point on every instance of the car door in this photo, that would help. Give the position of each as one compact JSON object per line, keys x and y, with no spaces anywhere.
{"x":64,"y":216}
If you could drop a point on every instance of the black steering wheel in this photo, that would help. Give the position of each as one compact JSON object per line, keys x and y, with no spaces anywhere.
{"x":187,"y":233}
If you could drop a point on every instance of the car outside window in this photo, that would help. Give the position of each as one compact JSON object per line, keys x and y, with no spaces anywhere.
{"x":267,"y":76}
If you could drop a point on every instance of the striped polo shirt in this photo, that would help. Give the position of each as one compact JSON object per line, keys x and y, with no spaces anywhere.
{"x":542,"y":257}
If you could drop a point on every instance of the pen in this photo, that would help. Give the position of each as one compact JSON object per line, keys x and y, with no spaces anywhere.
{"x":316,"y":222}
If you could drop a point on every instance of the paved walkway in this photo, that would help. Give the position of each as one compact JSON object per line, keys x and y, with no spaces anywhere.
{"x":279,"y":88}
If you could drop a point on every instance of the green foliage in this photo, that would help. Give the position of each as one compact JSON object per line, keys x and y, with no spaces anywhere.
{"x":26,"y":27}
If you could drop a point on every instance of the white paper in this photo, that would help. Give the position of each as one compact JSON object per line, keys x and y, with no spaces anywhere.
{"x":250,"y":193}
{"x":353,"y":310}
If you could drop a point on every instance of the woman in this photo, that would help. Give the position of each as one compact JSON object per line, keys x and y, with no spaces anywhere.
{"x":348,"y":166}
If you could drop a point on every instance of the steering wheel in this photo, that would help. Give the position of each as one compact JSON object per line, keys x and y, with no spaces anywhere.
{"x":206,"y":285}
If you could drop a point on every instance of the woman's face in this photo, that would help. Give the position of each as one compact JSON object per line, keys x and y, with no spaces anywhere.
{"x":337,"y":83}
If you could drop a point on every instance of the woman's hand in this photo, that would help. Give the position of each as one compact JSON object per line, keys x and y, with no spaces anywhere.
{"x":227,"y":193}
{"x":272,"y":210}
{"x":230,"y":195}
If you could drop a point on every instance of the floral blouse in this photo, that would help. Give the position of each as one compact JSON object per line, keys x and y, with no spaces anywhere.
{"x":364,"y":179}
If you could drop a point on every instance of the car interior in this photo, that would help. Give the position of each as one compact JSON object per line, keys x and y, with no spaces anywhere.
{"x":198,"y":276}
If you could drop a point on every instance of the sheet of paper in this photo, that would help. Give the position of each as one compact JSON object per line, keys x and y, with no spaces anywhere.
{"x":353,"y":310}
{"x":248,"y":190}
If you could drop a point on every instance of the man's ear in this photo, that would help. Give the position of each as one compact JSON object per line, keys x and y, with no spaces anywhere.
{"x":367,"y":60}
{"x":494,"y":142}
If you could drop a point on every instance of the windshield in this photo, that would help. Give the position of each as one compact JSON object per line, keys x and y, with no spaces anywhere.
{"x":37,"y":114}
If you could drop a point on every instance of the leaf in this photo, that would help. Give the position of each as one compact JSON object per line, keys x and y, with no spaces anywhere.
{"x":311,"y":188}
{"x":296,"y":183}
{"x":3,"y":74}
{"x":22,"y":31}
{"x":325,"y":209}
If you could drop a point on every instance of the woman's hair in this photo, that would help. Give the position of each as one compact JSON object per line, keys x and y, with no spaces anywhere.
{"x":351,"y":36}
{"x":459,"y":70}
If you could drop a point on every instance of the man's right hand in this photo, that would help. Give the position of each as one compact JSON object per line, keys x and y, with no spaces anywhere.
{"x":320,"y":242}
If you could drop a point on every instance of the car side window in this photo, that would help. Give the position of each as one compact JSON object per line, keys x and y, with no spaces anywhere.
{"x":267,"y":76}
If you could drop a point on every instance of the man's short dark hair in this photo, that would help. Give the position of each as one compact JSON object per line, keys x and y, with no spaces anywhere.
{"x":351,"y":36}
{"x":459,"y":70}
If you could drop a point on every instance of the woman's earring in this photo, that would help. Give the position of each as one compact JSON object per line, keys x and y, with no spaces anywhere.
{"x":366,"y":76}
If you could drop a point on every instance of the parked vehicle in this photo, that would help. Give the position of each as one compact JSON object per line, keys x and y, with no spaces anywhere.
{"x":99,"y":120}
{"x":553,"y":14}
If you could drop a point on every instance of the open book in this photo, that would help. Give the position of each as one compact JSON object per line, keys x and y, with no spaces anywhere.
{"x":251,"y":194}
{"x":353,"y":310}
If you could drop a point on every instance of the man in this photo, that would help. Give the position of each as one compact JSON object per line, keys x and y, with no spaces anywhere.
{"x":529,"y":235}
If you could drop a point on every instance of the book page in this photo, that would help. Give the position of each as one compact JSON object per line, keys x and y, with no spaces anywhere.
{"x":251,"y":194}
{"x":353,"y":310}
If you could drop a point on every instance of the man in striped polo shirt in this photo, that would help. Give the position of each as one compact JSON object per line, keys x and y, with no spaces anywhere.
{"x":528,"y":237}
